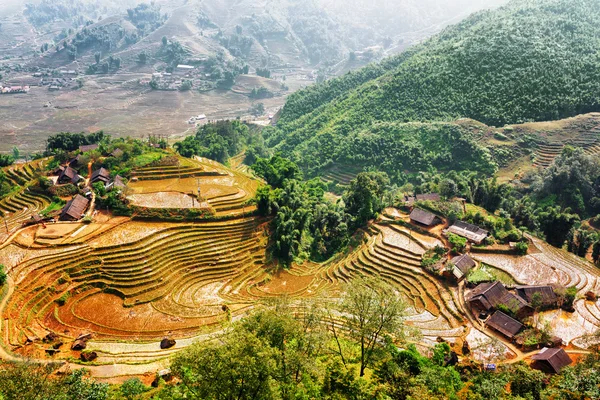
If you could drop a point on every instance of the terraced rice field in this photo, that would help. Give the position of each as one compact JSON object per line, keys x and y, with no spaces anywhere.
{"x":394,"y":254}
{"x":131,"y":283}
{"x":549,"y":265}
{"x":222,"y":189}
{"x":340,"y":174}
{"x":137,"y":282}
{"x":589,"y":140}
{"x":22,"y":203}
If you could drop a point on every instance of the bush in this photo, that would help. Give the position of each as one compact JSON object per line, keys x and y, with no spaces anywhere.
{"x":521,"y":248}
{"x":62,"y":300}
{"x":3,"y":275}
{"x":458,"y":243}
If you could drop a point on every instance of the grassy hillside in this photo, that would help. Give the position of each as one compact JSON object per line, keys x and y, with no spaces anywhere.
{"x":529,"y":61}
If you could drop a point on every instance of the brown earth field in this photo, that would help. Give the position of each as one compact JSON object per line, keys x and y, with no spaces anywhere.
{"x":130,"y":283}
{"x":119,"y":106}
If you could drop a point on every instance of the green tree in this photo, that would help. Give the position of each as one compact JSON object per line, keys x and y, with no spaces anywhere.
{"x":364,"y":197}
{"x":458,"y":243}
{"x":276,"y":170}
{"x":142,"y":57}
{"x":372,"y":310}
{"x":3,"y":275}
{"x":133,"y":389}
{"x":239,"y":367}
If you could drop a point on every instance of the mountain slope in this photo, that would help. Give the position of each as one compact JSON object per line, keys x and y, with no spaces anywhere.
{"x":530,"y":60}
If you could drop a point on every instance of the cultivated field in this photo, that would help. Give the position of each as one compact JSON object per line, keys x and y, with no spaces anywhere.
{"x":131,"y":282}
{"x":117,"y":105}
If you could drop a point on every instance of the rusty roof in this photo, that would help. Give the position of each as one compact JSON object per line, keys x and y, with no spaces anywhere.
{"x":423,"y":217}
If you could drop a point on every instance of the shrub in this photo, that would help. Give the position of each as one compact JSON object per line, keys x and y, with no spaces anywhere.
{"x":62,"y":300}
{"x":3,"y":275}
{"x":521,"y":248}
{"x":458,"y":243}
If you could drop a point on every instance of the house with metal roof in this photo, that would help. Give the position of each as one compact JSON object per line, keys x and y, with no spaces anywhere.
{"x":461,"y":265}
{"x":545,"y":293}
{"x":472,"y":233}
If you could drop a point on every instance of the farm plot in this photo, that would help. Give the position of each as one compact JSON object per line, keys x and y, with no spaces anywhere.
{"x":166,"y":282}
{"x":392,"y":254}
{"x":23,"y":202}
{"x":222,"y":189}
{"x":166,"y":200}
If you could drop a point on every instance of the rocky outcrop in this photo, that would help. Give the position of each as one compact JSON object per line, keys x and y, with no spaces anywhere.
{"x":167,"y":343}
{"x":88,"y":356}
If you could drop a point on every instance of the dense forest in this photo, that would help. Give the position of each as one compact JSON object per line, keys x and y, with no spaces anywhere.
{"x":535,"y":60}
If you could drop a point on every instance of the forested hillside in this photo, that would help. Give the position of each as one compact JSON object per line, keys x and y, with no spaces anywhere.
{"x":533,"y":60}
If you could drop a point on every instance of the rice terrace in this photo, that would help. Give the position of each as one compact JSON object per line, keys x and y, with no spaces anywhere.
{"x":192,"y":257}
{"x":293,"y":200}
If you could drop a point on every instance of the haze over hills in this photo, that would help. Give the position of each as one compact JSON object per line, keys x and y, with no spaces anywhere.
{"x":114,"y":48}
{"x":528,"y":61}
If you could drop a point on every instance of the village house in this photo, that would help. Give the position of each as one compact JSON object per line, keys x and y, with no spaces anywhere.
{"x":424,"y":218}
{"x":546,"y":294}
{"x":100,"y":175}
{"x":461,"y":265}
{"x":75,"y":162}
{"x":69,"y":175}
{"x":14,"y":89}
{"x":74,"y":209}
{"x":117,"y":153}
{"x":504,"y":324}
{"x":472,"y":233}
{"x":489,"y":296}
{"x":116,"y":183}
{"x":551,"y":360}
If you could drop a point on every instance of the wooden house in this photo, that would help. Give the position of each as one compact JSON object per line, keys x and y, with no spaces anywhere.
{"x":504,"y":324}
{"x":74,"y":209}
{"x":551,"y":360}
{"x":68,"y":175}
{"x":488,"y":296}
{"x":100,"y":175}
{"x":461,"y":265}
{"x":425,"y":218}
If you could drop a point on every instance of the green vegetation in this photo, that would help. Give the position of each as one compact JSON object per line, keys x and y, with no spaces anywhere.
{"x":66,"y":141}
{"x":458,"y":243}
{"x":217,"y":141}
{"x":146,"y":17}
{"x":305,"y":224}
{"x":527,"y":61}
{"x":3,"y":275}
{"x":29,"y":381}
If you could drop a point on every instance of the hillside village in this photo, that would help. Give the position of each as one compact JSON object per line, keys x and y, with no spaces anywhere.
{"x":253,"y":210}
